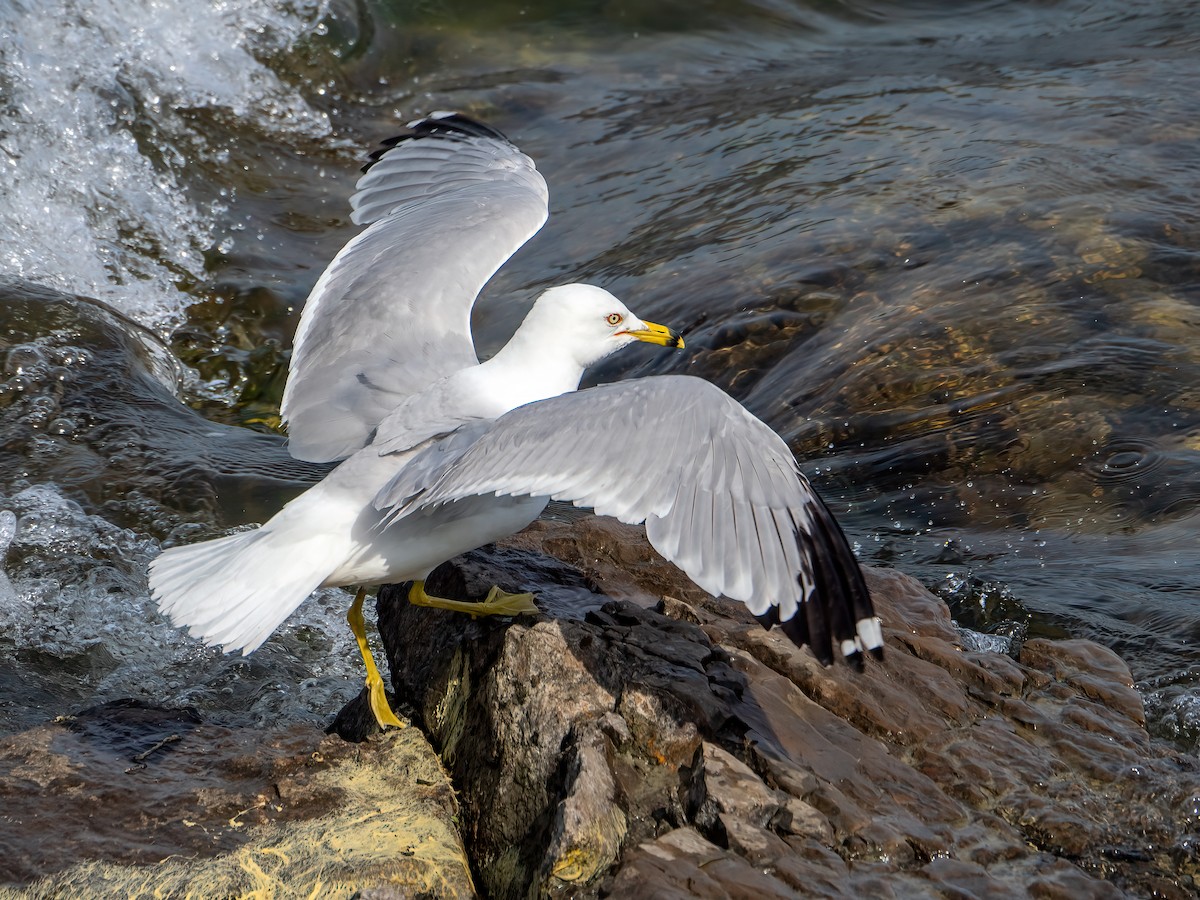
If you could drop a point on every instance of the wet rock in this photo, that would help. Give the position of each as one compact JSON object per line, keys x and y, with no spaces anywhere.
{"x":89,"y":400}
{"x":663,"y":744}
{"x":128,"y":799}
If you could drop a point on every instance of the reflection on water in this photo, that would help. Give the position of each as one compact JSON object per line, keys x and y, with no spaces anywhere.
{"x":949,"y":251}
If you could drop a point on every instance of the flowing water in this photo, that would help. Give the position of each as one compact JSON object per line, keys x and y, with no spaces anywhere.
{"x":949,"y":250}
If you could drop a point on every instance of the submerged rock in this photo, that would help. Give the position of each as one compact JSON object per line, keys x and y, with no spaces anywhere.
{"x":134,"y":800}
{"x":681,"y":750}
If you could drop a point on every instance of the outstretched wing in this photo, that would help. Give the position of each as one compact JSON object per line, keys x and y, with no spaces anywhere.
{"x":719,"y":491}
{"x":445,"y":206}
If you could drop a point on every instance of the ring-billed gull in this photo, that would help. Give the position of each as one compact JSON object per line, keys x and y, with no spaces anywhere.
{"x":442,"y":453}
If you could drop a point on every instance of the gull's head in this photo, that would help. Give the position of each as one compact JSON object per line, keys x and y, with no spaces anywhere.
{"x":589,"y":323}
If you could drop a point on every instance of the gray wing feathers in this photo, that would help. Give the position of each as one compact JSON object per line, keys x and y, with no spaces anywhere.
{"x":415,"y":170}
{"x":427,"y":466}
{"x":392,"y":312}
{"x":719,"y":491}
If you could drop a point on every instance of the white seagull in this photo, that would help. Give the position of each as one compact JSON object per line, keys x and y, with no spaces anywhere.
{"x":442,"y":453}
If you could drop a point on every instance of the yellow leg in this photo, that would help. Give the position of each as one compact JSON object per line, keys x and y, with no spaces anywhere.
{"x":498,"y":602}
{"x":379,"y":705}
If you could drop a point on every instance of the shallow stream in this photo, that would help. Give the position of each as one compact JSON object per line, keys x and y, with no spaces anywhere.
{"x":949,"y":250}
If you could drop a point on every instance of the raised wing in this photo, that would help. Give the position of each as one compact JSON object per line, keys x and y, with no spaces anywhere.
{"x":719,"y":491}
{"x":445,"y":206}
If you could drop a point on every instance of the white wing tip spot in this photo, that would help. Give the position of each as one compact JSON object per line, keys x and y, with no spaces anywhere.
{"x":870,"y":633}
{"x":436,"y":114}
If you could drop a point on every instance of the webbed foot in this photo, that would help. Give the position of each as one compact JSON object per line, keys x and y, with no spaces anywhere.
{"x":497,"y":602}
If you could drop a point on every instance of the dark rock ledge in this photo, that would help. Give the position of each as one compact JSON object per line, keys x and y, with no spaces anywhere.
{"x":682,"y":751}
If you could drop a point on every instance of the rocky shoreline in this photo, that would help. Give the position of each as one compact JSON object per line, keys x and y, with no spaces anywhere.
{"x":684,"y":751}
{"x":137,"y":801}
{"x":641,"y":739}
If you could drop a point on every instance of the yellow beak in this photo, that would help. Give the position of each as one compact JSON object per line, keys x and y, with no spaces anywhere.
{"x":657,"y":334}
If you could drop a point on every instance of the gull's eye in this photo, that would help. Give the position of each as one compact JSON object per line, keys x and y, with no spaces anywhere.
{"x":614,"y":318}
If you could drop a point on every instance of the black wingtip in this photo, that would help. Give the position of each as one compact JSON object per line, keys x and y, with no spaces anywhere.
{"x":449,"y":123}
{"x":452,"y":126}
{"x":837,"y":618}
{"x":769,"y":619}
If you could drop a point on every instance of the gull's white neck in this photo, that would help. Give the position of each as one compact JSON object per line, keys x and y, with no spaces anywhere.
{"x":531,"y":366}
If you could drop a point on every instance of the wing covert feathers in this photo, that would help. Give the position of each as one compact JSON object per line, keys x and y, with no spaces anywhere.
{"x":719,"y":491}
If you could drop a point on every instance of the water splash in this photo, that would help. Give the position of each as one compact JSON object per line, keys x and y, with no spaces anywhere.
{"x":8,"y":530}
{"x":73,"y":600}
{"x":1173,"y":707}
{"x":106,"y":103}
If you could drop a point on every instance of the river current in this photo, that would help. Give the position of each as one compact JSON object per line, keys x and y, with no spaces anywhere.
{"x":950,"y":251}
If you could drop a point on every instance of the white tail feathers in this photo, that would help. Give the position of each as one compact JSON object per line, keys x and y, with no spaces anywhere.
{"x":236,"y":590}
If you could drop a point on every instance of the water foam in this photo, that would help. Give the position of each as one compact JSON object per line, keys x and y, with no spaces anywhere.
{"x":100,"y":122}
{"x":74,"y":610}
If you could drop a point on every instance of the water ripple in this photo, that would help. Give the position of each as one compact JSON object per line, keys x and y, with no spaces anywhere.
{"x":1124,"y":460}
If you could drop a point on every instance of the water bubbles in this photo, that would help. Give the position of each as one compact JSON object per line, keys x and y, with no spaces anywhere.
{"x":23,"y":358}
{"x":37,"y":377}
{"x":1191,"y":810}
{"x":18,"y":384}
{"x":62,"y":426}
{"x":39,"y":411}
